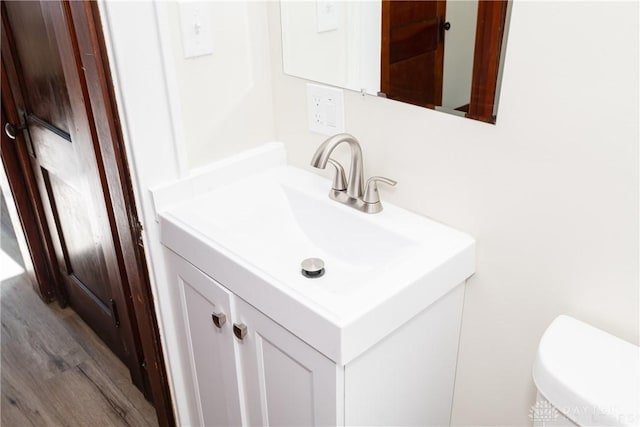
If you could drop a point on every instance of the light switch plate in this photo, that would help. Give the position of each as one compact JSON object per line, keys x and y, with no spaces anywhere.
{"x":328,"y":15}
{"x":195,"y":23}
{"x":325,"y":109}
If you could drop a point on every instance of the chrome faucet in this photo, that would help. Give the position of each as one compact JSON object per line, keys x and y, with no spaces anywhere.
{"x":364,"y":199}
{"x":321,"y":157}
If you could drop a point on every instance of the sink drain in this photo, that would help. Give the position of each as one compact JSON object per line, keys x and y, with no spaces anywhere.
{"x":312,"y":268}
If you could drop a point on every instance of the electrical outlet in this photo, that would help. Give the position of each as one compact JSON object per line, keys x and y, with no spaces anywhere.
{"x":316,"y":108}
{"x":325,"y":109}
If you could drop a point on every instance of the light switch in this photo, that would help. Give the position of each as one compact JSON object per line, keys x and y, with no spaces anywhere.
{"x":328,"y":15}
{"x":195,"y":22}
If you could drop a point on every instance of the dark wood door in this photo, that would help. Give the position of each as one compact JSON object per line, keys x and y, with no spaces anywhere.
{"x":43,"y":52}
{"x":413,"y":51}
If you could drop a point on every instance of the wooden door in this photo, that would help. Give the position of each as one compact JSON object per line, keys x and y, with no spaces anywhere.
{"x":42,"y":53}
{"x":205,"y":327}
{"x":286,"y":382}
{"x":413,"y":51}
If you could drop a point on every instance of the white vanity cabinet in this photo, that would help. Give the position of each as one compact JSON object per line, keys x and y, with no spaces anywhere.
{"x":270,"y":377}
{"x":286,"y":382}
{"x":210,"y":365}
{"x":266,"y":377}
{"x":373,"y":341}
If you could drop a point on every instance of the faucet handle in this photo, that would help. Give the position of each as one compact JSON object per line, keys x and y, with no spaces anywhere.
{"x":371,"y":190}
{"x":339,"y":178}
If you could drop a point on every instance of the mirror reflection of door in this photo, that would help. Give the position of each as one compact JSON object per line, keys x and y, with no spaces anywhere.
{"x":427,"y":52}
{"x":412,"y":55}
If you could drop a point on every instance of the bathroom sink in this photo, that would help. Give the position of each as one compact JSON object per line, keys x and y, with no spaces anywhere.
{"x":252,"y":233}
{"x":276,"y":219}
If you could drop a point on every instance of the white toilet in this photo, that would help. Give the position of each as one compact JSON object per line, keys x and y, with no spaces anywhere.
{"x":585,"y":377}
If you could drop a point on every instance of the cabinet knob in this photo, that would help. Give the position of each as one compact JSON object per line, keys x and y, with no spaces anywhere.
{"x":219,"y":319}
{"x":239,"y":330}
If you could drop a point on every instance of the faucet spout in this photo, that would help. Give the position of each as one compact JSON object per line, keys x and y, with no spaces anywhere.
{"x":356,"y":175}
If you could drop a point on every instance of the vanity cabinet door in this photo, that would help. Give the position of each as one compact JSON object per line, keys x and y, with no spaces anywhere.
{"x":286,"y":382}
{"x":208,"y":354}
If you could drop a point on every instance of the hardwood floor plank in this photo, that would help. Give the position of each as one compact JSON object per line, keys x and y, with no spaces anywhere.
{"x":23,"y":395}
{"x":40,"y":341}
{"x":20,"y":405}
{"x":55,"y":371}
{"x":100,"y":355}
{"x":95,"y":349}
{"x":126,"y":408}
{"x":77,"y":402}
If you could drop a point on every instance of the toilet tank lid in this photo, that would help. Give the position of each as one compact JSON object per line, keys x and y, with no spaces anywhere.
{"x":589,"y":375}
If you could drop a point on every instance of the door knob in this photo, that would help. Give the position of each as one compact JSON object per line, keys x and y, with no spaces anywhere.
{"x":446,"y":26}
{"x":239,"y":330}
{"x":11,"y":130}
{"x":219,"y":319}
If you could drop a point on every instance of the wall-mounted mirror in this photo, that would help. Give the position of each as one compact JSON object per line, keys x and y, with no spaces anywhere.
{"x":442,"y":54}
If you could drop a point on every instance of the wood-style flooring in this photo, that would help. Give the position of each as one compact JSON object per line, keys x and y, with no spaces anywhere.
{"x":55,"y":371}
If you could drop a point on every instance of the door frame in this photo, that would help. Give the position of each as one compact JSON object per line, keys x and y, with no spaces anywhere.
{"x":490,"y":27}
{"x":86,"y":29}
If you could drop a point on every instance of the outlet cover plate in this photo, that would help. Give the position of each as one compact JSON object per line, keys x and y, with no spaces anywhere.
{"x":325,"y":109}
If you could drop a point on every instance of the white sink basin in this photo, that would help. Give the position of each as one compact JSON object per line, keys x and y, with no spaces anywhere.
{"x":275,"y":219}
{"x":252,"y":233}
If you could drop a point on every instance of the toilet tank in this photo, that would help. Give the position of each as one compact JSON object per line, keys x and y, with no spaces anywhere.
{"x":589,"y":376}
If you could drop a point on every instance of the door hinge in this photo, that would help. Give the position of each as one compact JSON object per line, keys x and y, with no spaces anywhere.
{"x":137,"y":229}
{"x":114,"y":313}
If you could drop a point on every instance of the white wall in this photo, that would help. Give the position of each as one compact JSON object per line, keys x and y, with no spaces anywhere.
{"x":214,"y":97}
{"x":550,"y":192}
